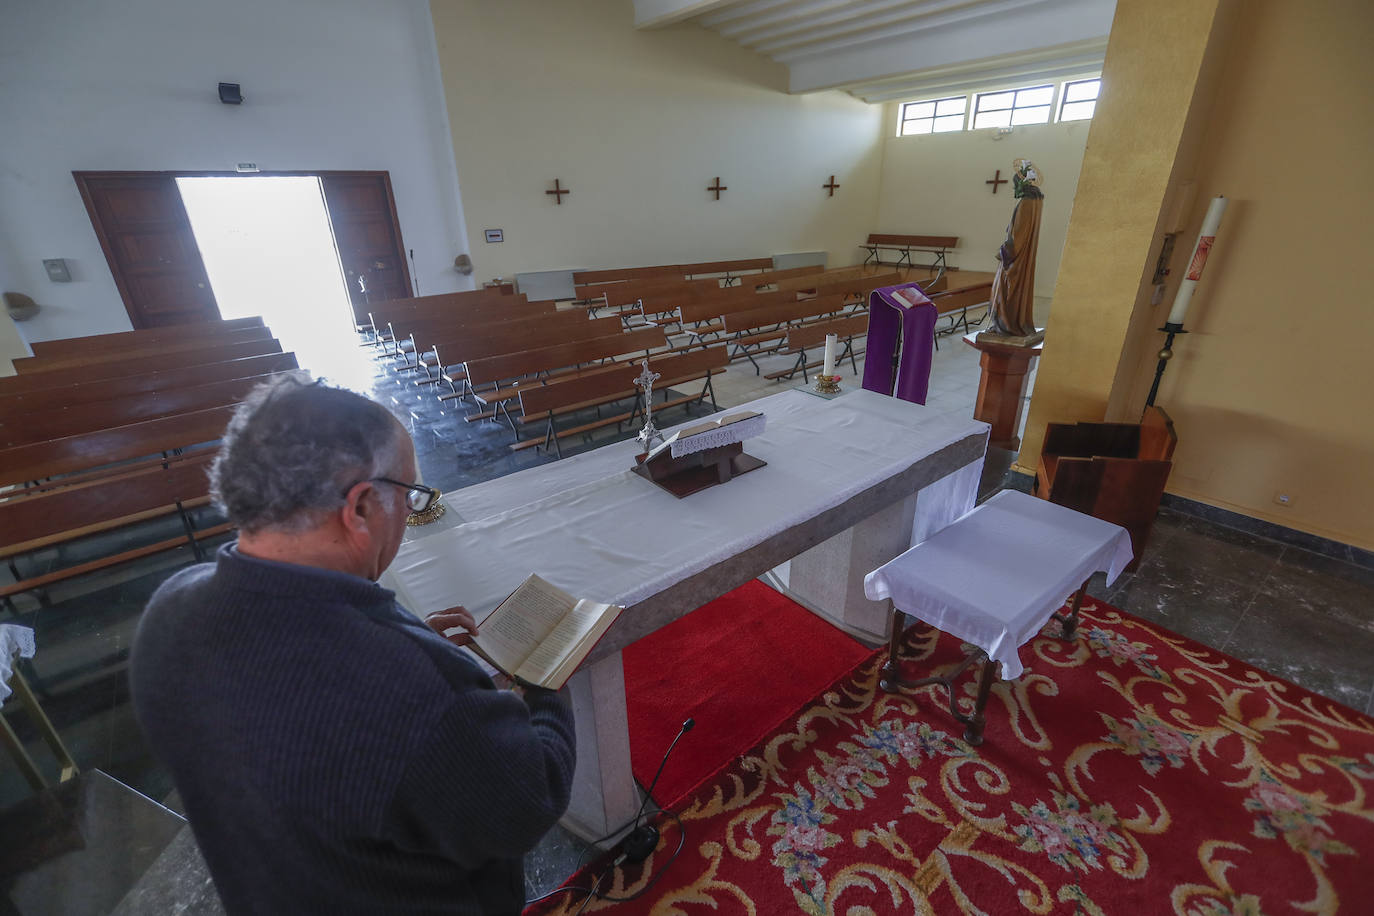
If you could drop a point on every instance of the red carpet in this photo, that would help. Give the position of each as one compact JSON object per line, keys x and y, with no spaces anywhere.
{"x":739,"y":666}
{"x":1129,"y":771}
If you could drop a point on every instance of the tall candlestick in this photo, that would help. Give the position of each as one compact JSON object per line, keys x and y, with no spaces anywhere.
{"x":829,"y":368}
{"x":1205,"y":240}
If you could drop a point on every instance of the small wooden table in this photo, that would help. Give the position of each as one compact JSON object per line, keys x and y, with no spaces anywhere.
{"x":994,"y":578}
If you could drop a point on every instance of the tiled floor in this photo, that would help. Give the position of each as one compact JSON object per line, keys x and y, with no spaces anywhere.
{"x":1298,"y":614}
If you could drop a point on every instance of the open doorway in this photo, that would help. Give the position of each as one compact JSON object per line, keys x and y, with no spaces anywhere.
{"x":269,"y":250}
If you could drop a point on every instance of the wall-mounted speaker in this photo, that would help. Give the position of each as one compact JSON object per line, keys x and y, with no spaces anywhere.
{"x":230,"y":94}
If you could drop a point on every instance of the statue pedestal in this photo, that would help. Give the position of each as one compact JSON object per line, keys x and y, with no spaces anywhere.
{"x":1002,"y":388}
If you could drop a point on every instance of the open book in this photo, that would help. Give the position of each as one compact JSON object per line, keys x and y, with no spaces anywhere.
{"x":540,"y":634}
{"x":694,"y":438}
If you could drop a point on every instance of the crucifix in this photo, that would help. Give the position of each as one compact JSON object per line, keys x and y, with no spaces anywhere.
{"x":718,"y":187}
{"x":995,"y":180}
{"x":649,"y":434}
{"x":832,"y":186}
{"x":558,"y":192}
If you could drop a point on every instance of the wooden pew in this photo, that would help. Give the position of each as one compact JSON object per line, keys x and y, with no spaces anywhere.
{"x":39,"y":426}
{"x":955,"y":304}
{"x":76,"y":394}
{"x":546,"y":361}
{"x":495,"y":340}
{"x":37,"y":381}
{"x":680,"y":271}
{"x":30,"y":522}
{"x":755,"y":329}
{"x":105,"y":447}
{"x":363,"y":311}
{"x":400,"y":327}
{"x":152,"y":349}
{"x":99,"y":342}
{"x":936,"y":245}
{"x":546,"y":403}
{"x":804,"y":337}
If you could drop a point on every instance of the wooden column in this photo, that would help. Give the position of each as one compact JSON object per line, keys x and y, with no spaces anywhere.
{"x":1002,"y":388}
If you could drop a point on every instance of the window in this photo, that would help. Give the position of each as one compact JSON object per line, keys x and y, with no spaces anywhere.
{"x":937,"y":116}
{"x":1079,"y":100}
{"x":1013,"y":106}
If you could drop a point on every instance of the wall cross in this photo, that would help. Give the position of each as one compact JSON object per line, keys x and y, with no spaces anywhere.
{"x":995,"y":180}
{"x":718,"y":187}
{"x":831,"y":185}
{"x":558,"y":192}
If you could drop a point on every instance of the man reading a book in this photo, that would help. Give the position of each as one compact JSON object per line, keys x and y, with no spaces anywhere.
{"x":334,"y":753}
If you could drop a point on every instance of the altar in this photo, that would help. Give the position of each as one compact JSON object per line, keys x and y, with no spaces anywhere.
{"x":849,"y":483}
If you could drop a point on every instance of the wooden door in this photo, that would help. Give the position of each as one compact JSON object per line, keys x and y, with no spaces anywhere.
{"x":146,"y":235}
{"x":367,"y":233}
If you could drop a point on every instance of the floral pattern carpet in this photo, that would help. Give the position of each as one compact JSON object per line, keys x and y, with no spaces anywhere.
{"x":1130,"y":770}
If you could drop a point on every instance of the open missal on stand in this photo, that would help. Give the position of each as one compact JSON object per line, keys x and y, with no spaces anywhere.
{"x":540,"y":634}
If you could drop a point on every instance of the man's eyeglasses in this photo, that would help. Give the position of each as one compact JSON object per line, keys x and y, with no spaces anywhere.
{"x":418,"y":496}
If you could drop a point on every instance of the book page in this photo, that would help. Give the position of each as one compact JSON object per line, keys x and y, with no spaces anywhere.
{"x":521,"y":622}
{"x":563,"y":642}
{"x":589,"y":640}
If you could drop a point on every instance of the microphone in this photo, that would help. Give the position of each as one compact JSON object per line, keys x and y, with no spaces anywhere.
{"x":643,"y":839}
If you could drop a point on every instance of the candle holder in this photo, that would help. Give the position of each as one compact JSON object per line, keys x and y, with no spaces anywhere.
{"x":1165,"y":355}
{"x":429,"y":516}
{"x":827,"y":384}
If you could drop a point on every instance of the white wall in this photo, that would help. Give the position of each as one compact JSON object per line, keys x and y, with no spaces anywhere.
{"x":328,"y":84}
{"x":637,"y":124}
{"x":935,"y":185}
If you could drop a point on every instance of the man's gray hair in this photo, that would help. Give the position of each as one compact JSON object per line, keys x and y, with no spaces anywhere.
{"x":294,"y":447}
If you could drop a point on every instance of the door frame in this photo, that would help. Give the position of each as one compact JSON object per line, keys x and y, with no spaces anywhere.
{"x":82,"y":177}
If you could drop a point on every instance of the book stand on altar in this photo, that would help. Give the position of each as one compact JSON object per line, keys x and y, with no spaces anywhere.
{"x":702,"y":456}
{"x":697,"y":471}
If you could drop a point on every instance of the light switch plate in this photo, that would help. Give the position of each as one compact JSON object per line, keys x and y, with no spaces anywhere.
{"x":57,"y":270}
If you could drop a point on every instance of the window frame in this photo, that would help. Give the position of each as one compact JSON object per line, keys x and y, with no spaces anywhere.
{"x":1064,"y":94}
{"x":1014,"y":107}
{"x":902,"y":119}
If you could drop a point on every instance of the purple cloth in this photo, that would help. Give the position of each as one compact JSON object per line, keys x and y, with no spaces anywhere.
{"x":890,"y":309}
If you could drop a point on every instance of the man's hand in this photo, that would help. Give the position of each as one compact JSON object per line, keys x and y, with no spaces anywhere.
{"x":452,"y":619}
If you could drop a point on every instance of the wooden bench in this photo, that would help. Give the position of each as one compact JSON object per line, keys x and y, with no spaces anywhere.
{"x":755,"y":329}
{"x":75,"y":394}
{"x":680,"y":271}
{"x":548,"y":402}
{"x":150,"y":349}
{"x":105,"y":447}
{"x":38,"y":381}
{"x":804,"y":337}
{"x":955,"y":304}
{"x":39,"y":426}
{"x":936,"y":245}
{"x":545,"y":362}
{"x":101,"y":342}
{"x":495,"y":340}
{"x":30,"y":522}
{"x":412,"y":334}
{"x":363,"y":311}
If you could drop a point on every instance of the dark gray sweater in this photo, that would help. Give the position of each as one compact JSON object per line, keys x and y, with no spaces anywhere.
{"x":333,"y":753}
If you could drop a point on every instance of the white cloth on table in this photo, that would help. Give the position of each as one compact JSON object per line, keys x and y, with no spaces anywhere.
{"x":14,"y":639}
{"x":593,"y":528}
{"x":996,"y":576}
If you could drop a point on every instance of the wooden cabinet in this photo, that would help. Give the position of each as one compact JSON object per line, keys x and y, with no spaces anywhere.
{"x":1111,"y":471}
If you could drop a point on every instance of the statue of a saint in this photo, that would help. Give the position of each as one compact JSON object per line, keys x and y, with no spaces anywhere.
{"x":1013,"y":289}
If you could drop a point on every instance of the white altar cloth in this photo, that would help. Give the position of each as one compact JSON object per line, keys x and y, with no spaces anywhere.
{"x":591,"y":527}
{"x":14,"y":640}
{"x":996,"y":576}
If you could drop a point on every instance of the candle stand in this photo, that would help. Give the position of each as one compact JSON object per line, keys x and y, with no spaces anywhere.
{"x":1165,"y":355}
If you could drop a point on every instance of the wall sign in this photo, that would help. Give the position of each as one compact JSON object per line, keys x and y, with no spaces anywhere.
{"x":495,"y":235}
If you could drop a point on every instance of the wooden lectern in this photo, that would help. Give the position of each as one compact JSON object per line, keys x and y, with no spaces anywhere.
{"x":1112,"y":471}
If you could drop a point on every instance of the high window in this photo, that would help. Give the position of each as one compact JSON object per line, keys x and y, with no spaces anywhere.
{"x":1011,"y":107}
{"x":936,"y":116}
{"x":1079,"y":100}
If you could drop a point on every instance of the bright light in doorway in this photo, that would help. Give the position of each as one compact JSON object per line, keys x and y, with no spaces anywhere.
{"x":269,"y":250}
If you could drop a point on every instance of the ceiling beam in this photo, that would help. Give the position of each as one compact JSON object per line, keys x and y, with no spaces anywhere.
{"x":955,"y":43}
{"x":657,"y":14}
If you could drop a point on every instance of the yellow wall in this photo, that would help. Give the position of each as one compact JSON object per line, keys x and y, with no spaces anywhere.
{"x":12,"y":346}
{"x":637,"y":124}
{"x":935,"y":185}
{"x":1269,"y":390}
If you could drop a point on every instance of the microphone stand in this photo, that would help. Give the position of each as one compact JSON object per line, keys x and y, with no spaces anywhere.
{"x":642,"y":839}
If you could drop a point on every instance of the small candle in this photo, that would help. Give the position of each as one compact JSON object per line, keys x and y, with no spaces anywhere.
{"x":1205,"y":240}
{"x":829,"y":368}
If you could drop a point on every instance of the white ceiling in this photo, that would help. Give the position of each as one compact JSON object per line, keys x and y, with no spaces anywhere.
{"x":880,"y":50}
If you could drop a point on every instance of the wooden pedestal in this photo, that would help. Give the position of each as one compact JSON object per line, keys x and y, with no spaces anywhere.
{"x":1002,"y":389}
